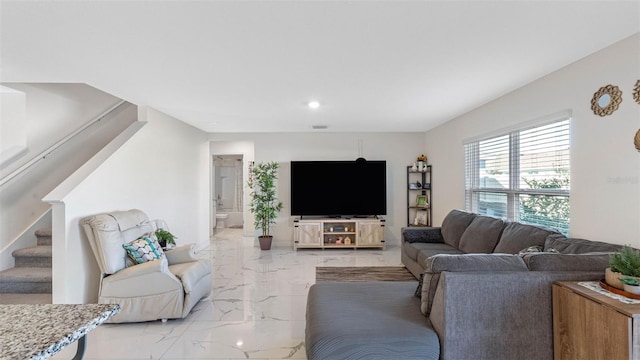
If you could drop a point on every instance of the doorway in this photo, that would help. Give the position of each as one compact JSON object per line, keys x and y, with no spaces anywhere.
{"x":227,"y":191}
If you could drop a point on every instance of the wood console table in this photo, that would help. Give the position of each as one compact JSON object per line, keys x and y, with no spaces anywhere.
{"x":588,"y":325}
{"x":40,"y":331}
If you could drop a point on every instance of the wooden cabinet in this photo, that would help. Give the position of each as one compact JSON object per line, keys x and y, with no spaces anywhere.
{"x":371,"y":233}
{"x":419,"y":185}
{"x":307,"y":234}
{"x":338,"y":233}
{"x":588,"y":325}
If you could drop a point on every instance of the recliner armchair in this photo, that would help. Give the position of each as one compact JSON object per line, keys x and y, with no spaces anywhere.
{"x":166,"y":288}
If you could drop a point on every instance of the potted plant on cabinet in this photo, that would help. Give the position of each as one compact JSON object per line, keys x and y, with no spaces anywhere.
{"x":624,"y":263}
{"x":264,"y":204}
{"x":631,"y":285}
{"x":165,"y":238}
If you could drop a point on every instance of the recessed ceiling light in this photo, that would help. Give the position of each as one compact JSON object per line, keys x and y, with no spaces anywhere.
{"x":313,"y":104}
{"x":319,"y":127}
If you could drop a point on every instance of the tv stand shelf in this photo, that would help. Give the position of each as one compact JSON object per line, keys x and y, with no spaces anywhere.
{"x":325,"y":233}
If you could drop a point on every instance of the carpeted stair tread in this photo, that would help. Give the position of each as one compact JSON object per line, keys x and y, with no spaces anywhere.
{"x":43,"y":232}
{"x":43,"y":236}
{"x":25,"y":280}
{"x":35,"y":256}
{"x":34,"y":251}
{"x":34,"y":274}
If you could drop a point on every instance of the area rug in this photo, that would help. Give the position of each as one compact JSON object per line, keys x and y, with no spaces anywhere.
{"x":363,"y":273}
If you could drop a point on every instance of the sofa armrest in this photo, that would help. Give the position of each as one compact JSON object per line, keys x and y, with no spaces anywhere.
{"x":144,"y":279}
{"x":140,"y":270}
{"x":181,"y":254}
{"x":474,"y":262}
{"x":503,"y":315}
{"x":422,"y":234}
{"x":436,"y":264}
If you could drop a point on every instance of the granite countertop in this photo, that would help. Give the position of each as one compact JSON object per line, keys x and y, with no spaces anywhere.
{"x":40,"y":331}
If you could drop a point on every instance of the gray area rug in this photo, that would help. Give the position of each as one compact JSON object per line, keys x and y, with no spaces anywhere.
{"x":363,"y":273}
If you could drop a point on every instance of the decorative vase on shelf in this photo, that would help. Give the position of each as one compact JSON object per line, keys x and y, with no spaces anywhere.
{"x":420,"y":166}
{"x":414,"y":167}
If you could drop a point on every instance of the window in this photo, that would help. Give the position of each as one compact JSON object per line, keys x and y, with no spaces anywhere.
{"x":522,"y":174}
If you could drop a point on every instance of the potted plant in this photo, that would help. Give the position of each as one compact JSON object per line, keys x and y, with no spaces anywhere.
{"x":264,"y":204}
{"x":165,"y":238}
{"x":631,"y":285}
{"x":624,"y":263}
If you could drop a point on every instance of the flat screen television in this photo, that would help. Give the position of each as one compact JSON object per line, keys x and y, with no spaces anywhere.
{"x":338,"y":188}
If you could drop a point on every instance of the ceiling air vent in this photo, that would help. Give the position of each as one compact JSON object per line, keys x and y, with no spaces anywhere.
{"x":319,"y":127}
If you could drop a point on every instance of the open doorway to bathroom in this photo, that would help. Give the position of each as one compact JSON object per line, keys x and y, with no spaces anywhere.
{"x":228,"y":192}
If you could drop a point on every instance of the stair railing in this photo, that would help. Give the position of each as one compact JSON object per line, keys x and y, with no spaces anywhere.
{"x":43,"y":155}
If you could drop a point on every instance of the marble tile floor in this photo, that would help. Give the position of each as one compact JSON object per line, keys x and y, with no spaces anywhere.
{"x":256,"y":309}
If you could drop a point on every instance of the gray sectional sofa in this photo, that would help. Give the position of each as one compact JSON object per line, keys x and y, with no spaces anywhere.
{"x":480,"y":298}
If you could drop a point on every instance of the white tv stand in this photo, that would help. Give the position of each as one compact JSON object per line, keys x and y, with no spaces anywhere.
{"x":325,"y":233}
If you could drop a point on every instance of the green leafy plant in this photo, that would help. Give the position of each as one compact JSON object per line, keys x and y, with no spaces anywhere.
{"x":264,"y":204}
{"x":165,"y":237}
{"x":630,"y":281}
{"x":547,"y":210}
{"x":626,"y":261}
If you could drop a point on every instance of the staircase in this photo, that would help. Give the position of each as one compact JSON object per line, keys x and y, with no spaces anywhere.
{"x":32,"y":271}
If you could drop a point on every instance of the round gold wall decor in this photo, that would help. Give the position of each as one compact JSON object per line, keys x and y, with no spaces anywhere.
{"x":606,"y":100}
{"x":636,"y":140}
{"x":636,"y":92}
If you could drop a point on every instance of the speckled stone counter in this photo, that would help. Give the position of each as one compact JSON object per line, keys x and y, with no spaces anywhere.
{"x":40,"y":331}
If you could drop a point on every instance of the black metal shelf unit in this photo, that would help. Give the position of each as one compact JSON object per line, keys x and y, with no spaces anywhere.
{"x":419,"y":199}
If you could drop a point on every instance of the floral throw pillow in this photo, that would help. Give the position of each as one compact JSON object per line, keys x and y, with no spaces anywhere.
{"x":143,"y":249}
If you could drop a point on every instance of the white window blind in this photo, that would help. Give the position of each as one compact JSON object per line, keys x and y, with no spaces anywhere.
{"x":522,"y":175}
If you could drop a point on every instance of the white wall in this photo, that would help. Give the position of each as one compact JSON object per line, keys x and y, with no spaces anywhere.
{"x":398,"y":149}
{"x":605,"y":166}
{"x":162,"y":170}
{"x":55,"y":110}
{"x":13,"y":122}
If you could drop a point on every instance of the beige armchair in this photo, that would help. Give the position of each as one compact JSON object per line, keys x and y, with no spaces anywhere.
{"x":165,"y":288}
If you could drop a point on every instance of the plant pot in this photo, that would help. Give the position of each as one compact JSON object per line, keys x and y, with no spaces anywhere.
{"x":634,"y":289}
{"x":613,"y":278}
{"x":265,"y":242}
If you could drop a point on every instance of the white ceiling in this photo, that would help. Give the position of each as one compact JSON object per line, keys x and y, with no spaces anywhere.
{"x":250,"y":66}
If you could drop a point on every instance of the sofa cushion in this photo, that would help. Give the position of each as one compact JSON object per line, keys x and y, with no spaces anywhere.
{"x":411,"y":250}
{"x":481,"y":236}
{"x":577,"y":246}
{"x":454,"y":225}
{"x":517,"y":236}
{"x":567,"y":262}
{"x":436,"y":264}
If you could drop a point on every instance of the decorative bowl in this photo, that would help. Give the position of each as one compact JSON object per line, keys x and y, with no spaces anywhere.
{"x":632,"y":289}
